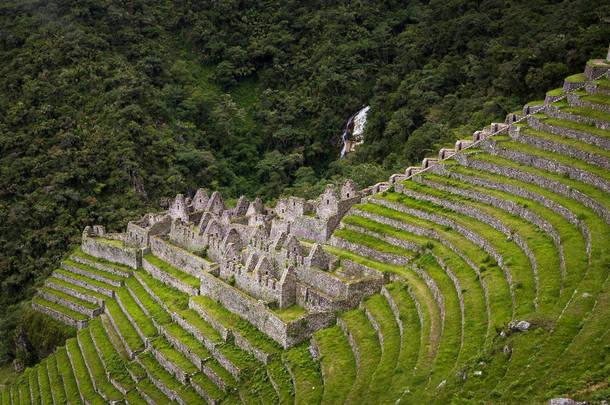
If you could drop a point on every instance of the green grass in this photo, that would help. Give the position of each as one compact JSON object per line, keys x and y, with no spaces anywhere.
{"x":111,"y":358}
{"x":105,"y":274}
{"x":153,"y":392}
{"x":603,"y":83}
{"x":126,"y":329}
{"x":309,"y":386}
{"x":577,"y":126}
{"x":96,"y":366}
{"x":156,"y":311}
{"x":57,"y":387}
{"x":45,"y":385}
{"x":374,"y":264}
{"x":412,"y":338}
{"x":33,"y":380}
{"x":543,"y":248}
{"x":60,"y":308}
{"x":173,"y":298}
{"x":571,"y":239}
{"x":221,"y":372}
{"x":187,"y":393}
{"x":566,"y":160}
{"x":69,"y":297}
{"x":143,"y":321}
{"x":280,"y":375}
{"x":67,"y":376}
{"x":590,"y":191}
{"x":587,"y":112}
{"x":117,"y":266}
{"x":369,"y":350}
{"x":597,"y":98}
{"x":207,"y":330}
{"x":113,"y":242}
{"x":501,"y":306}
{"x":85,"y":279}
{"x":579,"y":77}
{"x":162,"y":345}
{"x":257,"y":338}
{"x":172,"y":271}
{"x":573,"y":143}
{"x":380,"y":310}
{"x":82,"y":375}
{"x":208,"y":386}
{"x":188,"y":340}
{"x":372,"y":242}
{"x":555,"y":92}
{"x":134,"y":398}
{"x":290,"y":313}
{"x":338,"y":362}
{"x":77,"y":288}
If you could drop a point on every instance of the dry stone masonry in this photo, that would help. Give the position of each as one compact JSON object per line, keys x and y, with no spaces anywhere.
{"x":486,"y":264}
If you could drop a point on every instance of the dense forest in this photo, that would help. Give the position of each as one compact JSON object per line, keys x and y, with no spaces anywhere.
{"x":107,"y":105}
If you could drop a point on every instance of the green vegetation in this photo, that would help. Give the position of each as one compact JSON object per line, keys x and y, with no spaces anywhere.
{"x":143,"y":322}
{"x":117,"y":266}
{"x":57,"y":386}
{"x":185,"y":392}
{"x":67,"y":375}
{"x":125,"y":328}
{"x":175,"y":299}
{"x":85,"y":279}
{"x":77,"y":288}
{"x":105,"y":112}
{"x":231,"y":321}
{"x":188,"y":340}
{"x":101,"y":273}
{"x":338,"y":362}
{"x":588,"y":112}
{"x":369,"y":350}
{"x":579,"y":77}
{"x":207,"y":330}
{"x":98,"y":373}
{"x":85,"y":385}
{"x":112,"y":360}
{"x":208,"y":386}
{"x":162,"y":345}
{"x":578,"y":126}
{"x":156,"y":311}
{"x":43,"y":380}
{"x":308,"y":383}
{"x":59,"y":308}
{"x":69,"y":297}
{"x":278,"y":372}
{"x":172,"y":271}
{"x":290,"y":313}
{"x":372,"y":242}
{"x":153,"y":392}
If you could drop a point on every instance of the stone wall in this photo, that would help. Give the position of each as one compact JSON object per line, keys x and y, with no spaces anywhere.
{"x":551,"y":165}
{"x":587,"y":137}
{"x":538,"y":180}
{"x":285,"y":333}
{"x":168,"y":279}
{"x":187,"y":236}
{"x":76,"y":323}
{"x":177,"y":257}
{"x":98,"y":248}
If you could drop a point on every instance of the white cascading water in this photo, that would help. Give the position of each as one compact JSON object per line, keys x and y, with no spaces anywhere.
{"x":359,"y":120}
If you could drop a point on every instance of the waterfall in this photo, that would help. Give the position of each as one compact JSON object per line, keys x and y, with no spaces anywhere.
{"x":354,"y":137}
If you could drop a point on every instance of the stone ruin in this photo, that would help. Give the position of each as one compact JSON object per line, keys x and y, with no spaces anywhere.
{"x":255,"y":260}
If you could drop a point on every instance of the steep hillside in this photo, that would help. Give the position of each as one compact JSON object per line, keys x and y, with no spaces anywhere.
{"x":493,"y":261}
{"x":108,"y":106}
